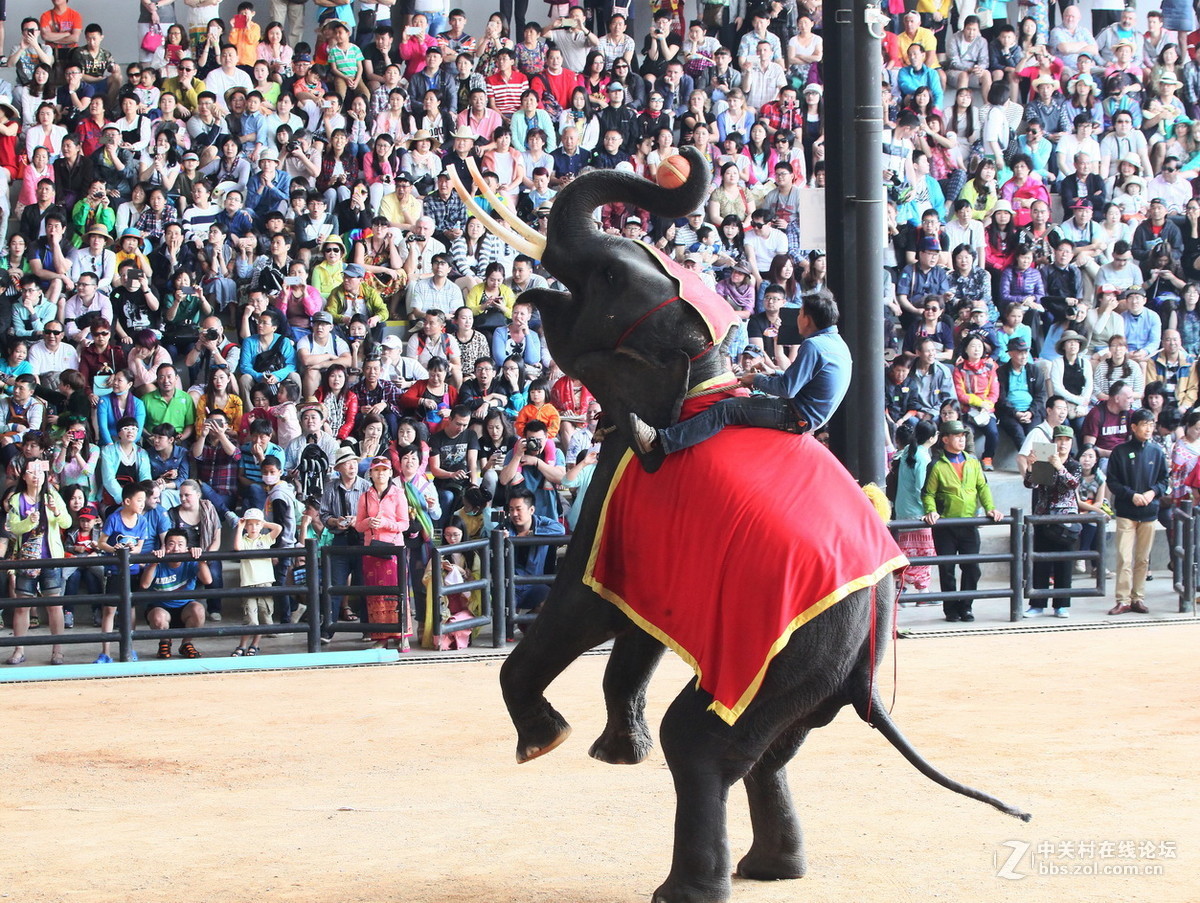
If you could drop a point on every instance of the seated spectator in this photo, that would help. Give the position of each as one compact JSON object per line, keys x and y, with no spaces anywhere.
{"x":978,"y":389}
{"x":1107,"y":424}
{"x":320,"y":350}
{"x":267,"y":357}
{"x":170,"y":404}
{"x":377,"y":396}
{"x":1022,"y":402}
{"x":253,"y":487}
{"x":517,"y":339}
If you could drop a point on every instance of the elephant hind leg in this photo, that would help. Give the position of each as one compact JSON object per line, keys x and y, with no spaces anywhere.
{"x":626,"y":739}
{"x":777,"y":851}
{"x":706,"y":757}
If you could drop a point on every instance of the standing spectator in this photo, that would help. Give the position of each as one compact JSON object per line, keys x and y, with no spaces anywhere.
{"x":956,"y":488}
{"x":382,"y":518}
{"x":912,"y":468}
{"x":1055,"y":498}
{"x":1137,"y":481}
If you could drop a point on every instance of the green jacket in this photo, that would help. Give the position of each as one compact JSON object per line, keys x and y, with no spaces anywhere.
{"x":950,"y":497}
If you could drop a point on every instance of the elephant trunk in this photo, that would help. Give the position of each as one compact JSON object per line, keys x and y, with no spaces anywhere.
{"x":571,"y":221}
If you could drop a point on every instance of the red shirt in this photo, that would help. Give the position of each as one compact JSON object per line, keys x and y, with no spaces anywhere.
{"x":68,"y":20}
{"x":505,"y":96}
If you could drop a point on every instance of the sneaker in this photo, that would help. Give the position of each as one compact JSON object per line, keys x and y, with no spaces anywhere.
{"x":103,"y":659}
{"x":164,"y":648}
{"x":133,"y":655}
{"x":1062,"y":612}
{"x":987,"y":465}
{"x":299,"y":613}
{"x":187,"y":650}
{"x":68,"y":619}
{"x":1081,"y":567}
{"x":1032,"y":612}
{"x":645,"y":437}
{"x":214,"y":616}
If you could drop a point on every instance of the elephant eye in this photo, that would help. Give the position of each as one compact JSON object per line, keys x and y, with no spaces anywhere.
{"x":610,"y":276}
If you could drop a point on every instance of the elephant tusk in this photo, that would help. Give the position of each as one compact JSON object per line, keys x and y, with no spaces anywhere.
{"x":505,"y":212}
{"x":522,"y":245}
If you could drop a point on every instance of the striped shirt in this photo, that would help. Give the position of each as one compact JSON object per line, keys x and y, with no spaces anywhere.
{"x":505,"y":96}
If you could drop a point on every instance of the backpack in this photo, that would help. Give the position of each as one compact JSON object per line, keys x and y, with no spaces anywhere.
{"x":312,"y":470}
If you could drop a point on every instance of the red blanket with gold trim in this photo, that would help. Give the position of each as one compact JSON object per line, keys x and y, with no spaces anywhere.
{"x":733,"y":545}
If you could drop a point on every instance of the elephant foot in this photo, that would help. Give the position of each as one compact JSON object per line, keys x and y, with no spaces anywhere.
{"x":541,"y":735}
{"x":622,"y":745}
{"x":772,"y":866}
{"x":676,"y":892}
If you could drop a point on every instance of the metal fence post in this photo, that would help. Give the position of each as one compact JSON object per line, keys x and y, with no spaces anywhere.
{"x":312,"y":564}
{"x":499,"y":589}
{"x":125,"y":607}
{"x":1016,"y":568}
{"x":435,"y":587}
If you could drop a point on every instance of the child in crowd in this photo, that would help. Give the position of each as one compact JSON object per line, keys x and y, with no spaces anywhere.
{"x":282,"y":508}
{"x":539,"y":408}
{"x":283,"y":415}
{"x":254,"y":533}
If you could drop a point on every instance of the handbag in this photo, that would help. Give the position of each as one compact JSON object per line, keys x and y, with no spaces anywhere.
{"x":153,"y":39}
{"x":270,"y":360}
{"x":30,"y":550}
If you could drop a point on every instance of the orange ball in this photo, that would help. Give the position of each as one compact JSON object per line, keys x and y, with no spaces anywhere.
{"x":673,"y":171}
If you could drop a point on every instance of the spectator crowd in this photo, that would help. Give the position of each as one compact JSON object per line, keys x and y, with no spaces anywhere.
{"x":242,"y":302}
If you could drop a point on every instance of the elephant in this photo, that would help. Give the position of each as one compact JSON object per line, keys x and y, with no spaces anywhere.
{"x":619,"y":331}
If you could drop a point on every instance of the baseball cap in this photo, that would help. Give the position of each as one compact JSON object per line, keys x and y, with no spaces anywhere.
{"x":391,"y":341}
{"x":253,"y":514}
{"x":354,"y":271}
{"x":322,"y":316}
{"x":929,"y":243}
{"x":381,"y":461}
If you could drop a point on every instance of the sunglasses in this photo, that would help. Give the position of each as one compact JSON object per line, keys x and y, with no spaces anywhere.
{"x":52,"y":332}
{"x":333,"y":250}
{"x":97,"y":335}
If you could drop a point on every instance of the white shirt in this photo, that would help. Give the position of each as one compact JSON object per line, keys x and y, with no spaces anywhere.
{"x":43,"y":360}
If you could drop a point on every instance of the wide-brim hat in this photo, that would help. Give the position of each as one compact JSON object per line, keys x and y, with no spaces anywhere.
{"x":344,"y":454}
{"x":9,"y":110}
{"x":101,"y":230}
{"x":461,"y":132}
{"x":1069,"y":336}
{"x":425,"y":135}
{"x":310,"y":404}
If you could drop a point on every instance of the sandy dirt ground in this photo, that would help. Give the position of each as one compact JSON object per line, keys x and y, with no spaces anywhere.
{"x":398,"y":783}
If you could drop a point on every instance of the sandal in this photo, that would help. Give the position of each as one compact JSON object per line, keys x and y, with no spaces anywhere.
{"x":187,"y":650}
{"x":56,"y":658}
{"x":14,"y":659}
{"x":253,"y":650}
{"x":348,"y":615}
{"x":240,"y":650}
{"x":164,"y":648}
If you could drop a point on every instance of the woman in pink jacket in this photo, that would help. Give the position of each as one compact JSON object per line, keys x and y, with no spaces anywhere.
{"x":382,"y":519}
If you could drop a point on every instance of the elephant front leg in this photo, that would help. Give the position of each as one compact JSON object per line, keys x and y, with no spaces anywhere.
{"x":778,"y":848}
{"x":626,"y":739}
{"x":571,"y":622}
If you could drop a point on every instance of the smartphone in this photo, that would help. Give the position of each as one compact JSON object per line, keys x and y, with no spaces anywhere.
{"x":38,"y":466}
{"x":239,"y":21}
{"x":292,"y":280}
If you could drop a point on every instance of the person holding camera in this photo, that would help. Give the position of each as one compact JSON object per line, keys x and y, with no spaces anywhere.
{"x":210,"y":351}
{"x":134,"y":304}
{"x":535,"y":465}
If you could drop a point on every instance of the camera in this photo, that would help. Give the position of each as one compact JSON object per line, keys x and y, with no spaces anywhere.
{"x":533,"y":446}
{"x":293,"y":146}
{"x":211,"y":335}
{"x":410,"y":237}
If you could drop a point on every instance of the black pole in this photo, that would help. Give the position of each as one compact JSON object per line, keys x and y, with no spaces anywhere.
{"x":125,"y":606}
{"x":312,"y":565}
{"x":854,"y":215}
{"x":498,"y":593}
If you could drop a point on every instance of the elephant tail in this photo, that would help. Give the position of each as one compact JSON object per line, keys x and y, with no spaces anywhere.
{"x":880,"y":719}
